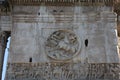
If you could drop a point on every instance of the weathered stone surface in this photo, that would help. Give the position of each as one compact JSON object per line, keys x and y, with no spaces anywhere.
{"x":63,"y":71}
{"x":63,"y":43}
{"x":5,"y":23}
{"x":33,"y":26}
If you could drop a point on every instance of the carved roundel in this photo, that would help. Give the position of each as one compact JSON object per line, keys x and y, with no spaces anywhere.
{"x":62,"y":45}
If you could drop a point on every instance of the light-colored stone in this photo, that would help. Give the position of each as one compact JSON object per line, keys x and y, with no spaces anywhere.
{"x":30,"y":32}
{"x":56,"y":42}
{"x":5,"y":23}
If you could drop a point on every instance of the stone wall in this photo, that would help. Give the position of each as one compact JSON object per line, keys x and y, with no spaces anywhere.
{"x":34,"y":25}
{"x":63,"y":43}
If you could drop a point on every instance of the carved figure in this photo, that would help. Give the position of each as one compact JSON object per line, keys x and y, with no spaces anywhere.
{"x":62,"y":45}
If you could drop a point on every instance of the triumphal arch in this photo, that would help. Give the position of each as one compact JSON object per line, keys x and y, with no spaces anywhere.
{"x":60,"y":39}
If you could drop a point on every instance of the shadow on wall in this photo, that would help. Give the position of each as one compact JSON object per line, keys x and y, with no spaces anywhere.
{"x":118,"y":27}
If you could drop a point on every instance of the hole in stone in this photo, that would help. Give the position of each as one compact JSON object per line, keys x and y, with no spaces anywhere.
{"x":54,"y":11}
{"x":30,"y":60}
{"x":61,"y":11}
{"x":39,"y":13}
{"x":86,"y":42}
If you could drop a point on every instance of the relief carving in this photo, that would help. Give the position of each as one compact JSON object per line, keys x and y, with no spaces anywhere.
{"x":63,"y":71}
{"x":62,"y":45}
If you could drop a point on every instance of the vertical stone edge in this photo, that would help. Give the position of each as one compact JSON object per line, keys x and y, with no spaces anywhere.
{"x":3,"y":41}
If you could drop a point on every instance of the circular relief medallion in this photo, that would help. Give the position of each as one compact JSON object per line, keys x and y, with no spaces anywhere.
{"x":62,"y":45}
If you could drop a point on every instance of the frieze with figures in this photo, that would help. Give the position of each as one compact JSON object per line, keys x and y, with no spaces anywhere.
{"x":63,"y":71}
